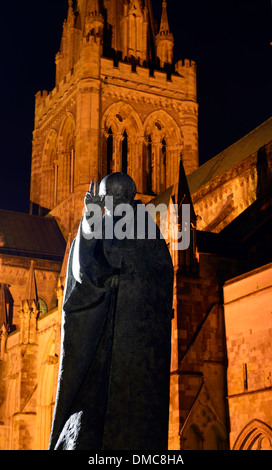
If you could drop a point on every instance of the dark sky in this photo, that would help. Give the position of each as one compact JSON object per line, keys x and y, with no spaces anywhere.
{"x":228,"y":40}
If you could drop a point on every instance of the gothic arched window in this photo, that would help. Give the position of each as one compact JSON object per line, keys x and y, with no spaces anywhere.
{"x":148,"y":167}
{"x":47,"y":200}
{"x":69,"y":155}
{"x":163,"y":164}
{"x":42,"y":307}
{"x":64,"y":171}
{"x":125,"y":153}
{"x":109,"y":151}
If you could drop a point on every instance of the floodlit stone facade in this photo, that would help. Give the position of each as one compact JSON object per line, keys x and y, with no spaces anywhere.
{"x":121,"y":104}
{"x":248,"y":312}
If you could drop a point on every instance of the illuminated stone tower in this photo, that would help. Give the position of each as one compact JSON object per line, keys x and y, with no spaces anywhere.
{"x":119,"y":104}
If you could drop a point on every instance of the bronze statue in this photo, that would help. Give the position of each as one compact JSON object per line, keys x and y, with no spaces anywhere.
{"x":113,"y":387}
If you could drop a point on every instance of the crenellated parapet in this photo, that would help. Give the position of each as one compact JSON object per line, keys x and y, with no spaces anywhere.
{"x":188,"y":69}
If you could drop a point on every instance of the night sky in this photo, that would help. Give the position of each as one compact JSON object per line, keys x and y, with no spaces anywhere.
{"x":230,"y":41}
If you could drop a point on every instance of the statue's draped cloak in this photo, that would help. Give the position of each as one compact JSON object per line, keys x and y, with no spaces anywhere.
{"x":113,"y":387}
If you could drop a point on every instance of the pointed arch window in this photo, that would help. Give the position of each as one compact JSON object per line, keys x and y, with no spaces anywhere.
{"x":70,"y":164}
{"x":109,"y":151}
{"x":149,"y":168}
{"x":72,"y":169}
{"x":42,"y":306}
{"x":257,"y":435}
{"x":56,"y":182}
{"x":49,"y":183}
{"x":163,"y":164}
{"x":125,"y":152}
{"x":64,"y":169}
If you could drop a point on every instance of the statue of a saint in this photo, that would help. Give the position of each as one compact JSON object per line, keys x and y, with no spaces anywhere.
{"x":113,"y":387}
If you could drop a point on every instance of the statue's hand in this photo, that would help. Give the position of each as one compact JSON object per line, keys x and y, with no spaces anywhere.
{"x":92,"y":197}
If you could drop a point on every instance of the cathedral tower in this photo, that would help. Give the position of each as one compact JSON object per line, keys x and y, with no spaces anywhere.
{"x":115,"y":107}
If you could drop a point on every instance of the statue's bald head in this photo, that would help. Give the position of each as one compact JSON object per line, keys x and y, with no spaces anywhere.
{"x":120,"y":186}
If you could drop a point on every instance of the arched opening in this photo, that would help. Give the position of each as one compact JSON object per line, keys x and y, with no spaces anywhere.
{"x":109,"y":151}
{"x":192,"y":439}
{"x":166,"y":147}
{"x":50,"y":171}
{"x":163,"y":165}
{"x":125,"y":152}
{"x":215,"y":439}
{"x":133,"y":34}
{"x":255,"y":436}
{"x":148,"y":166}
{"x":42,"y":307}
{"x":65,"y":169}
{"x":70,"y":152}
{"x":124,"y":143}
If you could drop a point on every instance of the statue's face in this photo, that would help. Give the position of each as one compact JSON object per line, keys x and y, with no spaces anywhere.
{"x":120,"y":187}
{"x":117,"y":191}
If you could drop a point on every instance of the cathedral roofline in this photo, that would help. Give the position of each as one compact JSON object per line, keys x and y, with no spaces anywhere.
{"x":30,"y":236}
{"x":231,"y":156}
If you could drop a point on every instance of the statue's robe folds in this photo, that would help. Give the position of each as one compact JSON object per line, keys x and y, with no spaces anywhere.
{"x":113,"y":386}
